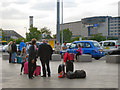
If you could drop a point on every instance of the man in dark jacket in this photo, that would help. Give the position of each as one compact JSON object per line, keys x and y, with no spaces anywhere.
{"x":14,"y":50}
{"x":32,"y":59}
{"x":45,"y":51}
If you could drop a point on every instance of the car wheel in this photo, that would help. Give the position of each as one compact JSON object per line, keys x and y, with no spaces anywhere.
{"x":97,"y":58}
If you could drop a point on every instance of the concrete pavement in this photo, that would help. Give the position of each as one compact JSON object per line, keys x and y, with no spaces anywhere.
{"x":99,"y":75}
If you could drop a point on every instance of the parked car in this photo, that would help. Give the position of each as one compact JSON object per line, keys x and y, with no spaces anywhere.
{"x":114,"y":52}
{"x":5,"y":48}
{"x":88,"y":47}
{"x":109,"y":45}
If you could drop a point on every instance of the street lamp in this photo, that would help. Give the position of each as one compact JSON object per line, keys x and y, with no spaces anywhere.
{"x":26,"y":29}
{"x":62,"y":19}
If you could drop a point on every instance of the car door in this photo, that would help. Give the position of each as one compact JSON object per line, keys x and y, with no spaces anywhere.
{"x":88,"y":48}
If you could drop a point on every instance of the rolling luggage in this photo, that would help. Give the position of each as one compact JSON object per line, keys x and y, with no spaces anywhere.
{"x":70,"y":75}
{"x":80,"y":74}
{"x":26,"y":68}
{"x":37,"y":71}
{"x":19,"y":60}
{"x":69,"y":66}
{"x":61,"y":71}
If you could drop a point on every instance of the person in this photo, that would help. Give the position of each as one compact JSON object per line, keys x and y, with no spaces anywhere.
{"x":27,"y":47}
{"x":22,"y":44}
{"x":14,"y":51}
{"x":57,"y":48}
{"x":10,"y":51}
{"x":45,"y":51}
{"x":23,"y":57}
{"x":64,"y":49}
{"x":64,"y":46}
{"x":18,"y":52}
{"x":79,"y":51}
{"x":32,"y":59}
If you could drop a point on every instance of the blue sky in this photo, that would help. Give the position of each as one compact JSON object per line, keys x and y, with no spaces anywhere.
{"x":14,"y":14}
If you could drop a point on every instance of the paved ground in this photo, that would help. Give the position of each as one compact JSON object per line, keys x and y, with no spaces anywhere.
{"x":99,"y":75}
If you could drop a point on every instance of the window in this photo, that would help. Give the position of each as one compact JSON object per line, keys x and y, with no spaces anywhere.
{"x":96,"y":44}
{"x":87,"y":45}
{"x":81,"y":44}
{"x":72,"y":46}
{"x":109,"y":44}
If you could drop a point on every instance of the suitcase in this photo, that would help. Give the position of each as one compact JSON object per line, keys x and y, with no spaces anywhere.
{"x":26,"y":68}
{"x":37,"y":71}
{"x":61,"y":71}
{"x":19,"y":60}
{"x":80,"y":74}
{"x":69,"y":66}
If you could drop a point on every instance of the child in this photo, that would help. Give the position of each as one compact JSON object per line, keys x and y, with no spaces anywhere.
{"x":23,"y":57}
{"x":79,"y":51}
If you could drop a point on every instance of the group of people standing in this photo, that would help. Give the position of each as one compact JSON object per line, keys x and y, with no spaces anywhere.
{"x":44,"y":51}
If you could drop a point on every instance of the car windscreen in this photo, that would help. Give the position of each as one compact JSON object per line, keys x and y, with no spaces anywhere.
{"x":109,"y":44}
{"x":72,"y":46}
{"x":96,"y":44}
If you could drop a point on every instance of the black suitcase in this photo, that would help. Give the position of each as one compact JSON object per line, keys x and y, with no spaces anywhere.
{"x":80,"y":74}
{"x":69,"y":66}
{"x":70,"y":75}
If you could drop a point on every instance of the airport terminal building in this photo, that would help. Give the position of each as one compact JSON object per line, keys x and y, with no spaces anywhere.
{"x":107,"y":25}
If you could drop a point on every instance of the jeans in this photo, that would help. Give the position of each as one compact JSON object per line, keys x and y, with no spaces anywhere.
{"x":13,"y":57}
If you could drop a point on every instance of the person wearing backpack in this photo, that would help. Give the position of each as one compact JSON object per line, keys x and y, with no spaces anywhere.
{"x":10,"y":51}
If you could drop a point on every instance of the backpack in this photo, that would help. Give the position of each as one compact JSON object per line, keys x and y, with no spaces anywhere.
{"x":10,"y":48}
{"x":80,"y":74}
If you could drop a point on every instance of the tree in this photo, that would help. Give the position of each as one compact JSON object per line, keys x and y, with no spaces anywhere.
{"x":98,"y":37}
{"x":46,"y":33}
{"x":20,"y":40}
{"x":33,"y":33}
{"x":11,"y":39}
{"x":67,"y":35}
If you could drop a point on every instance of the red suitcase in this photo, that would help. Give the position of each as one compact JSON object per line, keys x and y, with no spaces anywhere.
{"x":37,"y":71}
{"x":26,"y":68}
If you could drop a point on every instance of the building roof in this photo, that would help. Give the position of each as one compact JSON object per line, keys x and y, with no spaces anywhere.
{"x":8,"y":33}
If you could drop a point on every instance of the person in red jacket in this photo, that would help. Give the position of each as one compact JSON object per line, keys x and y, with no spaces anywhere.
{"x":79,"y":51}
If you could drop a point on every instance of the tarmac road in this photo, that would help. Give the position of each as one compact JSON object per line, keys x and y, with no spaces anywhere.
{"x":99,"y":75}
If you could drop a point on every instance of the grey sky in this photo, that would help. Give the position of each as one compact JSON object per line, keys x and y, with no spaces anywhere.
{"x":14,"y":14}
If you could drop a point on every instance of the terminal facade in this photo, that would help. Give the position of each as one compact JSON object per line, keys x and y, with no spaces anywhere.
{"x":107,"y":25}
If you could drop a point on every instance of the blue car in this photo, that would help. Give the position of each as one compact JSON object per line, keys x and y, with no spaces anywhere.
{"x":88,"y":47}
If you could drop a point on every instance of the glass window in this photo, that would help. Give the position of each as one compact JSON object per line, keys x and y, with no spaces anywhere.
{"x":72,"y":46}
{"x":87,"y":45}
{"x":96,"y":44}
{"x":81,"y":44}
{"x":109,"y":44}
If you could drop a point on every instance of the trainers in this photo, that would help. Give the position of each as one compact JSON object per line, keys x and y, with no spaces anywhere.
{"x":21,"y":73}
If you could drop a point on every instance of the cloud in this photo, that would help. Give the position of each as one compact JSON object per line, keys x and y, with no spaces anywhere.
{"x":6,"y":3}
{"x":44,"y":6}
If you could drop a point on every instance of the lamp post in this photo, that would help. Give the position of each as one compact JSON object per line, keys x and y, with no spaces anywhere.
{"x":58,"y":20}
{"x":26,"y":29}
{"x":62,"y":19}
